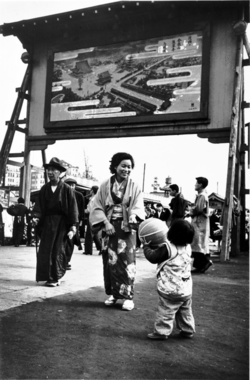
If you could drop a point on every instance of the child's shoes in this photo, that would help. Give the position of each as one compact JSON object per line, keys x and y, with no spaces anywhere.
{"x":128,"y":305}
{"x":157,"y":336}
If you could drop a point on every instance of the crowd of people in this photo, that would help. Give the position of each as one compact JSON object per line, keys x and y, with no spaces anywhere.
{"x":113,"y":213}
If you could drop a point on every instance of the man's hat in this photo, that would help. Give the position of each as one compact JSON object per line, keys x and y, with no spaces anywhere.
{"x":70,"y":180}
{"x":56,"y":163}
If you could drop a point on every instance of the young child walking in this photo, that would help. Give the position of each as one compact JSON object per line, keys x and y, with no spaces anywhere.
{"x":174,"y":281}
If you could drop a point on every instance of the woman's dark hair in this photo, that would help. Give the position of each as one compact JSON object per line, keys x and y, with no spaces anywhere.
{"x":20,"y":200}
{"x":181,"y":232}
{"x":119,"y":157}
{"x":202,"y":181}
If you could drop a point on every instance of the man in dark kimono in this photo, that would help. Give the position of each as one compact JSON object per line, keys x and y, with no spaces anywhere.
{"x":178,"y":204}
{"x":56,"y":215}
{"x":81,"y":206}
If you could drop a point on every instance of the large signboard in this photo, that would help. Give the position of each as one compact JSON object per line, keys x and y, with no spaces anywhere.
{"x":154,"y":79}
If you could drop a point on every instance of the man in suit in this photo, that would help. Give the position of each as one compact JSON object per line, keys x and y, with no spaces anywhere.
{"x":162,"y":214}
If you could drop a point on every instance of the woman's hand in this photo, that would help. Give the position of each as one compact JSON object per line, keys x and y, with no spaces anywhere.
{"x":109,"y":228}
{"x":132,"y":219}
{"x":133,"y":222}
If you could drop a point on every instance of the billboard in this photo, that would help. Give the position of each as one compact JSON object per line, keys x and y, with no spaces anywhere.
{"x":156,"y":79}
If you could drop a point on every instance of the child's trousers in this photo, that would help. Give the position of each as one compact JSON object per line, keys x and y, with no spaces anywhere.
{"x":170,"y":310}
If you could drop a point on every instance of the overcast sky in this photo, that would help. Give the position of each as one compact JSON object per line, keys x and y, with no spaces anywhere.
{"x":181,"y":157}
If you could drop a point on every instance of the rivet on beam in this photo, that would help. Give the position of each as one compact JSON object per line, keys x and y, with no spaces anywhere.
{"x":34,"y":23}
{"x":70,"y":16}
{"x":23,"y":26}
{"x":137,"y":4}
{"x":82,"y":14}
{"x":57,"y":19}
{"x":46,"y":21}
{"x":109,"y":9}
{"x":96,"y":11}
{"x":123,"y":6}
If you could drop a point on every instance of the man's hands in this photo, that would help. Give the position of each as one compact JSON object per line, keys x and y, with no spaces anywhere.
{"x":72,"y":232}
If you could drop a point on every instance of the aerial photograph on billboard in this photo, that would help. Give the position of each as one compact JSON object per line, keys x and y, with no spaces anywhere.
{"x":141,"y":78}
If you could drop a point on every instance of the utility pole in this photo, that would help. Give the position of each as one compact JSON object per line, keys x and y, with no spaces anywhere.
{"x":87,"y":166}
{"x":143,"y":181}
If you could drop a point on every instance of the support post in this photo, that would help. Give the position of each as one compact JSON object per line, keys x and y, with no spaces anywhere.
{"x":228,"y":206}
{"x":27,"y":175}
{"x":143,"y":181}
{"x":44,"y":162}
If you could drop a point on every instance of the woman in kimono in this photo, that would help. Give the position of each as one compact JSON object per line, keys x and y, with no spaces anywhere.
{"x":200,"y":221}
{"x":56,"y":214}
{"x":117,"y":209}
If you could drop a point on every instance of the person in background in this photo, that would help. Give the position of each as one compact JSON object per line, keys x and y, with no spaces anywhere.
{"x":162,"y":214}
{"x":1,"y":226}
{"x":56,"y":215}
{"x":20,"y":212}
{"x":149,"y":211}
{"x":81,"y":206}
{"x":174,"y":281}
{"x":1,"y":210}
{"x":178,"y":204}
{"x":118,"y":208}
{"x":200,"y":221}
{"x":90,"y":236}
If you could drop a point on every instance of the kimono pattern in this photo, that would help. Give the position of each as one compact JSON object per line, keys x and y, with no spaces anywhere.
{"x":174,"y":275}
{"x":118,"y":251}
{"x":57,"y":212}
{"x":119,"y":262}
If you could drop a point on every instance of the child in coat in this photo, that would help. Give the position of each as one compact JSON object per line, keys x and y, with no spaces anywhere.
{"x":174,"y":281}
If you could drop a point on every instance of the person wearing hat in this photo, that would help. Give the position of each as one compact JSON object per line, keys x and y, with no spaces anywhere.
{"x":81,"y":206}
{"x":56,"y":215}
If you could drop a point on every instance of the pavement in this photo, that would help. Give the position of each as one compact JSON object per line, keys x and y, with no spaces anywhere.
{"x":17,"y":275}
{"x":67,"y":333}
{"x":18,"y":269}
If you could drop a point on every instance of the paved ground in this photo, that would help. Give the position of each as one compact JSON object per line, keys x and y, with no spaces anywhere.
{"x":68,"y":333}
